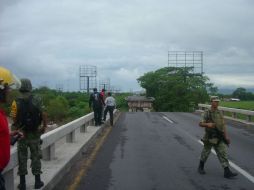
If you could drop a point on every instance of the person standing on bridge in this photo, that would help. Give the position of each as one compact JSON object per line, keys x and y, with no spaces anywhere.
{"x":96,"y":100}
{"x":7,"y":81}
{"x":110,"y":106}
{"x":215,"y":137}
{"x":27,"y":112}
{"x":102,"y":93}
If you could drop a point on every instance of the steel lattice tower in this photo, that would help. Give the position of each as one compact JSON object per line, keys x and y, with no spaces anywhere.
{"x":87,"y":77}
{"x":184,"y":59}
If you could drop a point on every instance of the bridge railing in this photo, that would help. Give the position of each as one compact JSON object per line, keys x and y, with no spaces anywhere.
{"x":233,"y":113}
{"x":48,"y":147}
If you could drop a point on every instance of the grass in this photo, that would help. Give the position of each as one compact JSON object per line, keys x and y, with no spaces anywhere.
{"x":246,"y":105}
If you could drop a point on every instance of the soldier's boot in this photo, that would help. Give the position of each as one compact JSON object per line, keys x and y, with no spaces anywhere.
{"x":22,"y":184}
{"x":38,"y":183}
{"x":228,"y":173}
{"x":201,"y":168}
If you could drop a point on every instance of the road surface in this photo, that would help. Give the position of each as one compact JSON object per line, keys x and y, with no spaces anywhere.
{"x":160,"y":151}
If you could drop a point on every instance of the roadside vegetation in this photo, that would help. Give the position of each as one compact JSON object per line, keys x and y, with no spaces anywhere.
{"x":246,"y":105}
{"x":63,"y":107}
{"x":246,"y":99}
{"x":176,"y":89}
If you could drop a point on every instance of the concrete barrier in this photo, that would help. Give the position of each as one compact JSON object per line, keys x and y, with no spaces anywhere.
{"x":59,"y":149}
{"x":249,"y":114}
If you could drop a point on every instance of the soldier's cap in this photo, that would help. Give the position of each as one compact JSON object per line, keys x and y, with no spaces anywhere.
{"x":214,"y":99}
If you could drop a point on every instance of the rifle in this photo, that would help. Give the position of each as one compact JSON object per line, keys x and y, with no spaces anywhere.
{"x":17,"y":137}
{"x":14,"y":139}
{"x":219,"y":134}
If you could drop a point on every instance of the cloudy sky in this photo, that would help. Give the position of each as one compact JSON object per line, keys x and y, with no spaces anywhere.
{"x":48,"y":40}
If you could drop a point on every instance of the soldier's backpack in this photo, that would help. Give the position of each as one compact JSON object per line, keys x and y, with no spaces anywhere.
{"x":29,"y":116}
{"x":97,"y":99}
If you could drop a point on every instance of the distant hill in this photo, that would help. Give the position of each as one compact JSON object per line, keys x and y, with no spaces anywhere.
{"x":231,"y":90}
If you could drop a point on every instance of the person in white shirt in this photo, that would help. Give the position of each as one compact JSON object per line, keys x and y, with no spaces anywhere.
{"x":110,"y":103}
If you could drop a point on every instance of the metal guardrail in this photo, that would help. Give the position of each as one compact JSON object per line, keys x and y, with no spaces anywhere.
{"x":249,"y":114}
{"x":48,"y":146}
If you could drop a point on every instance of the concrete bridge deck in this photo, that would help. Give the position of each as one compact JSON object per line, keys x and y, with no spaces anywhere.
{"x":143,"y":151}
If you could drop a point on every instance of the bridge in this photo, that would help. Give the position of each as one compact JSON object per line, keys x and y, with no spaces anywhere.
{"x":149,"y":150}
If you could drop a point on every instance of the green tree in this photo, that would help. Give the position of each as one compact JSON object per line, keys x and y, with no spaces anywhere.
{"x":176,"y":89}
{"x":213,"y":90}
{"x":249,"y":96}
{"x":242,"y":94}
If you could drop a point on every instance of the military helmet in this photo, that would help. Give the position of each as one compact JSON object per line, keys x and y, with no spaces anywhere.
{"x":214,"y":99}
{"x":26,"y":85}
{"x":8,"y":79}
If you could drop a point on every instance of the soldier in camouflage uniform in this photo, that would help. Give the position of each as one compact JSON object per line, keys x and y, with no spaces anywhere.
{"x":213,"y":122}
{"x":31,"y":138}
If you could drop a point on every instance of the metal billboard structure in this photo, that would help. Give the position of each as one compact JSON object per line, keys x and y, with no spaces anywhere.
{"x":104,"y":83}
{"x":87,"y":77}
{"x":186,"y":59}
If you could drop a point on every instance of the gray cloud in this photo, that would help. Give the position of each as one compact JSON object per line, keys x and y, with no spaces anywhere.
{"x":48,"y":40}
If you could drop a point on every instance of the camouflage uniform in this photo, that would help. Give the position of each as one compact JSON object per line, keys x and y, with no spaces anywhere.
{"x":218,"y":145}
{"x":31,"y":141}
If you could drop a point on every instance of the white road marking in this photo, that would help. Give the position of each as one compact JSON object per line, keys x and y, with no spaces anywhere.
{"x":170,"y":121}
{"x":236,"y":167}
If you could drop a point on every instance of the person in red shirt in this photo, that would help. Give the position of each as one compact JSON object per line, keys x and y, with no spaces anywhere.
{"x":102,"y":93}
{"x":7,"y":80}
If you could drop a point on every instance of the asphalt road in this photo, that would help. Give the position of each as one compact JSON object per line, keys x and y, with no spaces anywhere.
{"x":160,"y":151}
